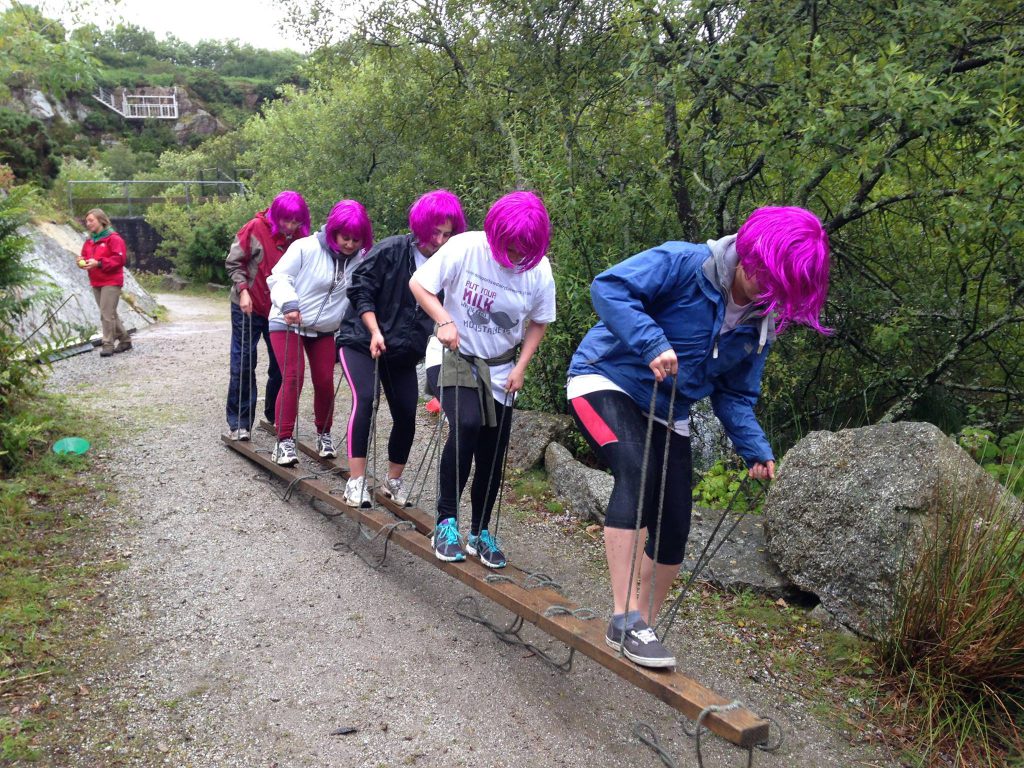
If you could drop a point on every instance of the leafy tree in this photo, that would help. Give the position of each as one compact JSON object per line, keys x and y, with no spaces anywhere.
{"x":35,"y":54}
{"x":26,"y":148}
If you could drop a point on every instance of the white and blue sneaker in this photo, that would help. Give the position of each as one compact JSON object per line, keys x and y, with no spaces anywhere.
{"x":486,"y":547}
{"x":325,"y":446}
{"x":445,"y":541}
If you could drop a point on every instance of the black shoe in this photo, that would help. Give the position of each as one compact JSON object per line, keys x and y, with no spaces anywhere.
{"x":122,"y":346}
{"x":106,"y":353}
{"x":641,"y":646}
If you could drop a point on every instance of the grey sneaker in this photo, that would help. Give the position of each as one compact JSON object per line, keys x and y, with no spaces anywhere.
{"x":284,"y":453}
{"x":641,"y":646}
{"x":325,"y":446}
{"x":487,"y":548}
{"x":394,"y":489}
{"x":446,"y":542}
{"x":356,"y":493}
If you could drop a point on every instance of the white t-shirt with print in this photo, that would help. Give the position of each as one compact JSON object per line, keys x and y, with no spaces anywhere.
{"x":489,"y":303}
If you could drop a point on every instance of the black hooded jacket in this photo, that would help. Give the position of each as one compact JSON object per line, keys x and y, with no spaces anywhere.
{"x":380,"y":284}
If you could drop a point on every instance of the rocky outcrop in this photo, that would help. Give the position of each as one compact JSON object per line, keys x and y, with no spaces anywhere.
{"x":54,"y":251}
{"x":849,"y":511}
{"x":532,"y":431}
{"x":584,"y":491}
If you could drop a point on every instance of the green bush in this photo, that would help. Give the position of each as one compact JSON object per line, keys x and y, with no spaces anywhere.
{"x":26,"y":148}
{"x":1003,"y":459}
{"x":722,"y":485}
{"x":20,"y":290}
{"x":196,"y":238}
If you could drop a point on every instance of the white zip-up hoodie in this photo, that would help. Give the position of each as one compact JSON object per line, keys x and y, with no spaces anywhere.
{"x":313,"y":279}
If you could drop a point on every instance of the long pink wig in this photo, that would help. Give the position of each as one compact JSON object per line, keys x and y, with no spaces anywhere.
{"x":349,"y":217}
{"x":432,"y":210}
{"x":520,"y":221}
{"x":289,"y":205}
{"x":785,"y":250}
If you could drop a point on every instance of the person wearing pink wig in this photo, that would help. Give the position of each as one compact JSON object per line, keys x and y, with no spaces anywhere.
{"x":678,"y":323}
{"x":308,"y":291}
{"x":499,"y":297}
{"x":384,"y":324}
{"x":255,"y":251}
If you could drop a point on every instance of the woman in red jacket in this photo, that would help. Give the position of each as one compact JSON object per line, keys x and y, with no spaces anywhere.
{"x":104,"y":255}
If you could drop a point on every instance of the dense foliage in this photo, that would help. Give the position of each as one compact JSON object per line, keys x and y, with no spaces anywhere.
{"x":21,"y":290}
{"x":25,"y":148}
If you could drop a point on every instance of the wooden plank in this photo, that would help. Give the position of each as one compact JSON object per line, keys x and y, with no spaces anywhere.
{"x":739,"y":726}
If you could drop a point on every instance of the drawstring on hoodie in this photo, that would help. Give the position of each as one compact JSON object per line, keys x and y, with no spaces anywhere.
{"x":761,"y":341}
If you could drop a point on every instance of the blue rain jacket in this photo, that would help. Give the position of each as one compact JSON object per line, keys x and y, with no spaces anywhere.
{"x":674,"y":296}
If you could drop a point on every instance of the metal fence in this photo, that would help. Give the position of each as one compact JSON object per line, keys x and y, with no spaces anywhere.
{"x":133,"y":197}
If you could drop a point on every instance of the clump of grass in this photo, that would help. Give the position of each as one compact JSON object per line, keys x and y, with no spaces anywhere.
{"x":956,"y":648}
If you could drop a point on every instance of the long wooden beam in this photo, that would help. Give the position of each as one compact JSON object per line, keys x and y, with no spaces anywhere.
{"x":739,"y":726}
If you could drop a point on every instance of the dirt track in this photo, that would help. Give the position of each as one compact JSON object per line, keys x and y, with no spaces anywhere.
{"x":245,"y":638}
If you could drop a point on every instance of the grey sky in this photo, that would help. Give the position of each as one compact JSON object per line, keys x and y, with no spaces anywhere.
{"x":257,"y":22}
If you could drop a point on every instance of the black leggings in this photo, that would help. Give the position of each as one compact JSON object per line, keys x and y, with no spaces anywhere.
{"x":400,"y":388}
{"x":487,"y":445}
{"x":616,"y":428}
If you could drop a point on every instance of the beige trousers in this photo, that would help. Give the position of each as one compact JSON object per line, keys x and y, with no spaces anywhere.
{"x":106,"y":299}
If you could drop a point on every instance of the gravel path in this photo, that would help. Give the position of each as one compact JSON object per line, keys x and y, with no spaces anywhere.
{"x":241,"y":637}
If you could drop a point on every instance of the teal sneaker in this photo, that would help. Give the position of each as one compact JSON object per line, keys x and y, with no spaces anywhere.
{"x":486,"y":547}
{"x":446,"y":542}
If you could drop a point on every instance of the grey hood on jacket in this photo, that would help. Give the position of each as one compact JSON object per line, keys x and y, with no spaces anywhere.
{"x":720,"y":270}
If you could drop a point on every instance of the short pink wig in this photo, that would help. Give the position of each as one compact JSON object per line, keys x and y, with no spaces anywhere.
{"x":348,"y":217}
{"x":785,"y":250}
{"x":433,"y":210}
{"x":289,"y":205}
{"x":518,"y":220}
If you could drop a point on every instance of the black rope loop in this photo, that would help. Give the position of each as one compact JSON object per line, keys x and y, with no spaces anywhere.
{"x":386,"y":531}
{"x":509,"y":634}
{"x":583,"y":614}
{"x":699,"y":727}
{"x":538,"y":580}
{"x":646,"y":734}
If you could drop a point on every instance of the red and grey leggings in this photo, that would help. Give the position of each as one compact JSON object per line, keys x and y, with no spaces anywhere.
{"x":616,"y":428}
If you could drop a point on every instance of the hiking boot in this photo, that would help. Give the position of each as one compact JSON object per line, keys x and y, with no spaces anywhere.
{"x":107,"y":352}
{"x":122,"y":346}
{"x":446,"y":542}
{"x":486,"y":547}
{"x":394,"y":489}
{"x":641,"y":646}
{"x":356,"y":493}
{"x":325,"y":446}
{"x":284,"y":453}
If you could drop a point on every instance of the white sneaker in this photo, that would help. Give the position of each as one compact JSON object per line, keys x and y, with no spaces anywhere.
{"x":356,"y":493}
{"x":284,"y":453}
{"x":243,"y":434}
{"x":394,"y":489}
{"x":325,"y":446}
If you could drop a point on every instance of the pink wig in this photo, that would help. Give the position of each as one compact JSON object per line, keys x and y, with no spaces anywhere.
{"x":433,"y":210}
{"x":520,"y":221}
{"x":348,"y":217}
{"x":785,"y":250}
{"x":289,"y":205}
